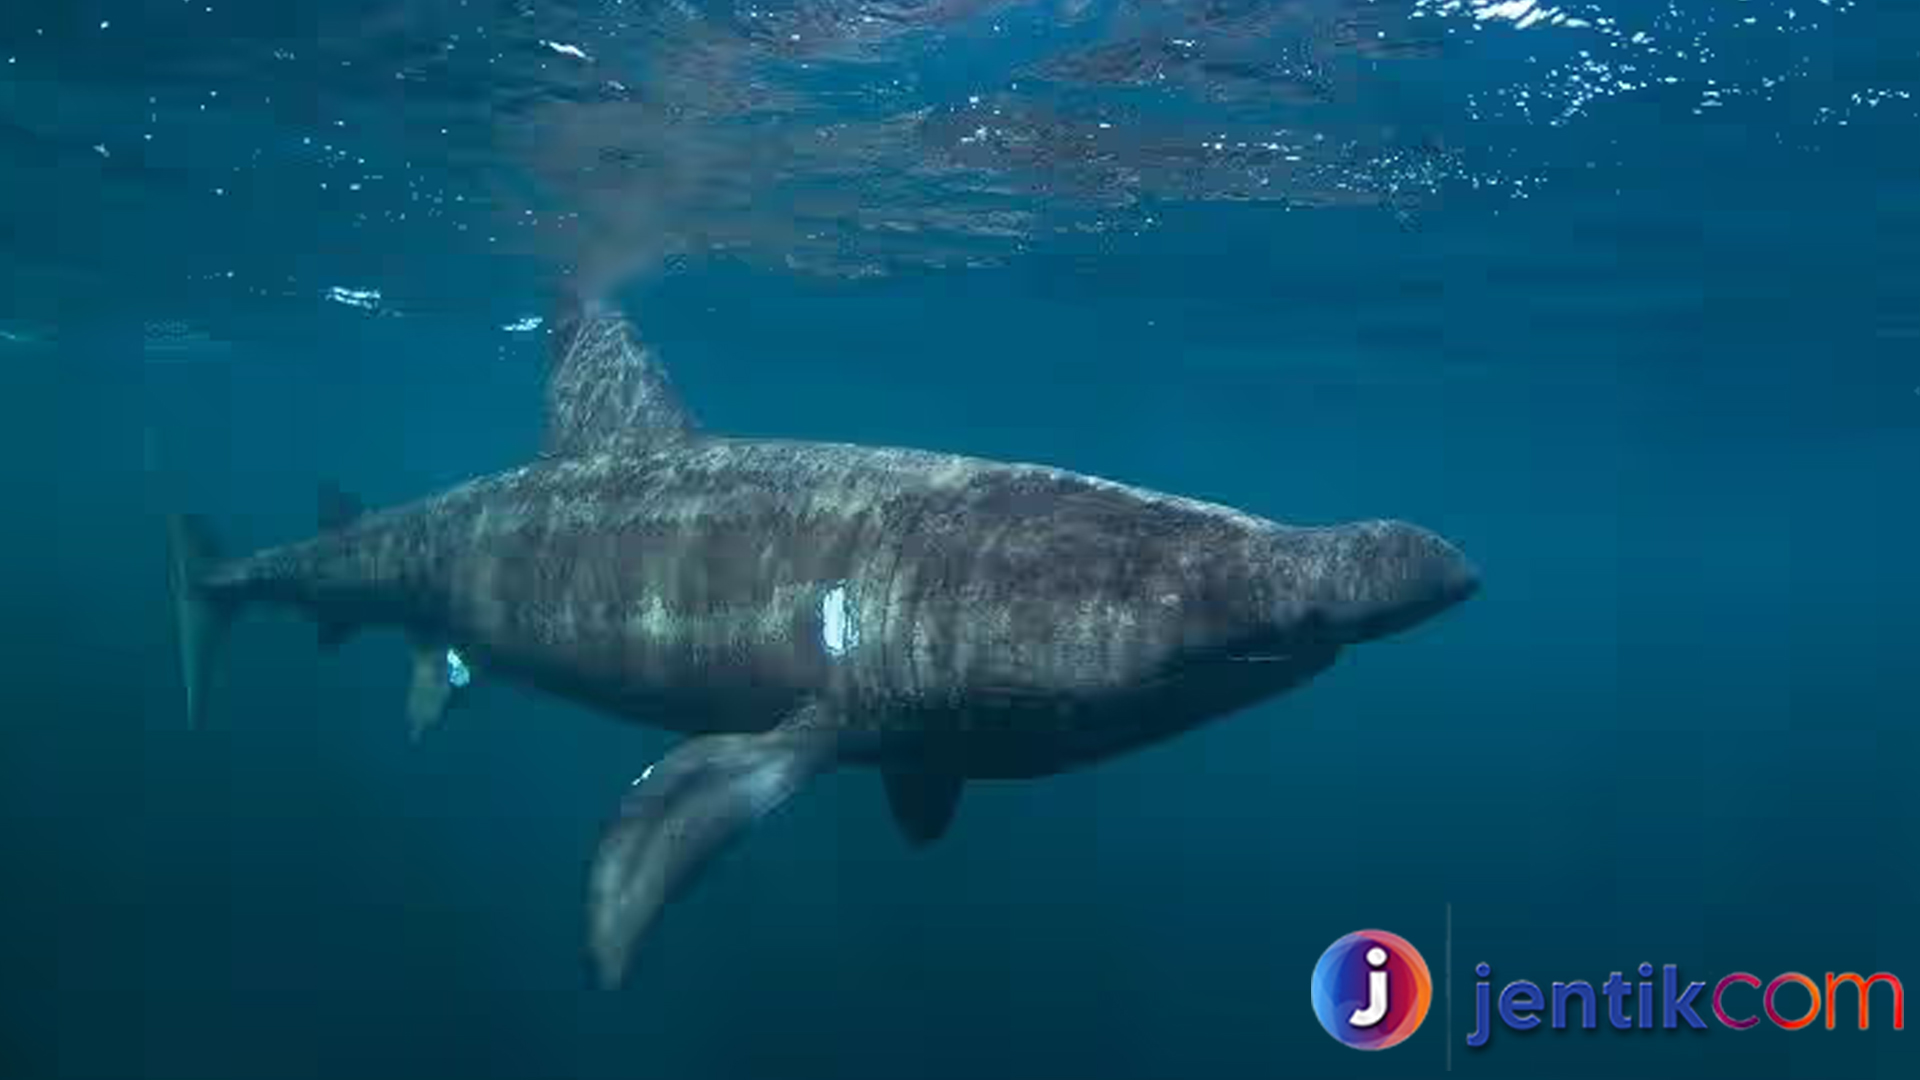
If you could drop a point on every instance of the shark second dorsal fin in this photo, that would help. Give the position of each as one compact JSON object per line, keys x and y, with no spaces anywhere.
{"x":338,"y":508}
{"x":606,"y":389}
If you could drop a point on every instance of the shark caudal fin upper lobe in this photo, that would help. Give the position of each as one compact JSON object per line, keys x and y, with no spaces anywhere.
{"x":200,"y":618}
{"x":209,"y":590}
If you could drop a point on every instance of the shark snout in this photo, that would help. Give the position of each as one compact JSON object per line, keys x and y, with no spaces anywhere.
{"x":1382,"y":577}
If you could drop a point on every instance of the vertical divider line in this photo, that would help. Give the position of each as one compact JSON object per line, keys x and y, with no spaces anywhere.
{"x":1449,"y":977}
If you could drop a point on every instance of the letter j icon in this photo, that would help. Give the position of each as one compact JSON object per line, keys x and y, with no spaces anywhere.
{"x":1376,"y":1009}
{"x":1371,"y":990}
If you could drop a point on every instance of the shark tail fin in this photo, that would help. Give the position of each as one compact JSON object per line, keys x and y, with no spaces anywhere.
{"x":200,"y":618}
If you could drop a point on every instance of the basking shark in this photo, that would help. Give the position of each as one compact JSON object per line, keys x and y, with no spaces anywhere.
{"x":792,"y":607}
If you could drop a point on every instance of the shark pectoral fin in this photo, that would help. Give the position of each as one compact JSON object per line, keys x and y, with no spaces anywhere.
{"x":438,"y":674}
{"x":678,"y":815}
{"x":923,"y":802}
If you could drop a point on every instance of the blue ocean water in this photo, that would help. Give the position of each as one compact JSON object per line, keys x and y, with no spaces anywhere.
{"x":1643,"y":348}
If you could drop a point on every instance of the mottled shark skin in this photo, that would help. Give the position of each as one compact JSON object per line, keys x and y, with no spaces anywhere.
{"x":795,"y":606}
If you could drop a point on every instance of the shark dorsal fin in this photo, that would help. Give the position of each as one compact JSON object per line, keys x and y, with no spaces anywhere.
{"x":606,"y":389}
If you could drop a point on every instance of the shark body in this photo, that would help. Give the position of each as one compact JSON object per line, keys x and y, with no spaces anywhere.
{"x":792,"y":607}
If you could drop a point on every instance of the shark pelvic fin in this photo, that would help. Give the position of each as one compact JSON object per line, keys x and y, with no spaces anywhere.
{"x":338,"y":509}
{"x":923,"y":802}
{"x":439,"y":674}
{"x":200,"y":619}
{"x":332,"y":633}
{"x":606,"y":389}
{"x":682,"y":812}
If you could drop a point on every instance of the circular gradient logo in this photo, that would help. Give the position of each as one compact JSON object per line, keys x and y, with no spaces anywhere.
{"x":1371,"y":989}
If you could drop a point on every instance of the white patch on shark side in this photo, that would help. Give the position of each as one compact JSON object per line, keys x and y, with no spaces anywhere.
{"x":839,"y":623}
